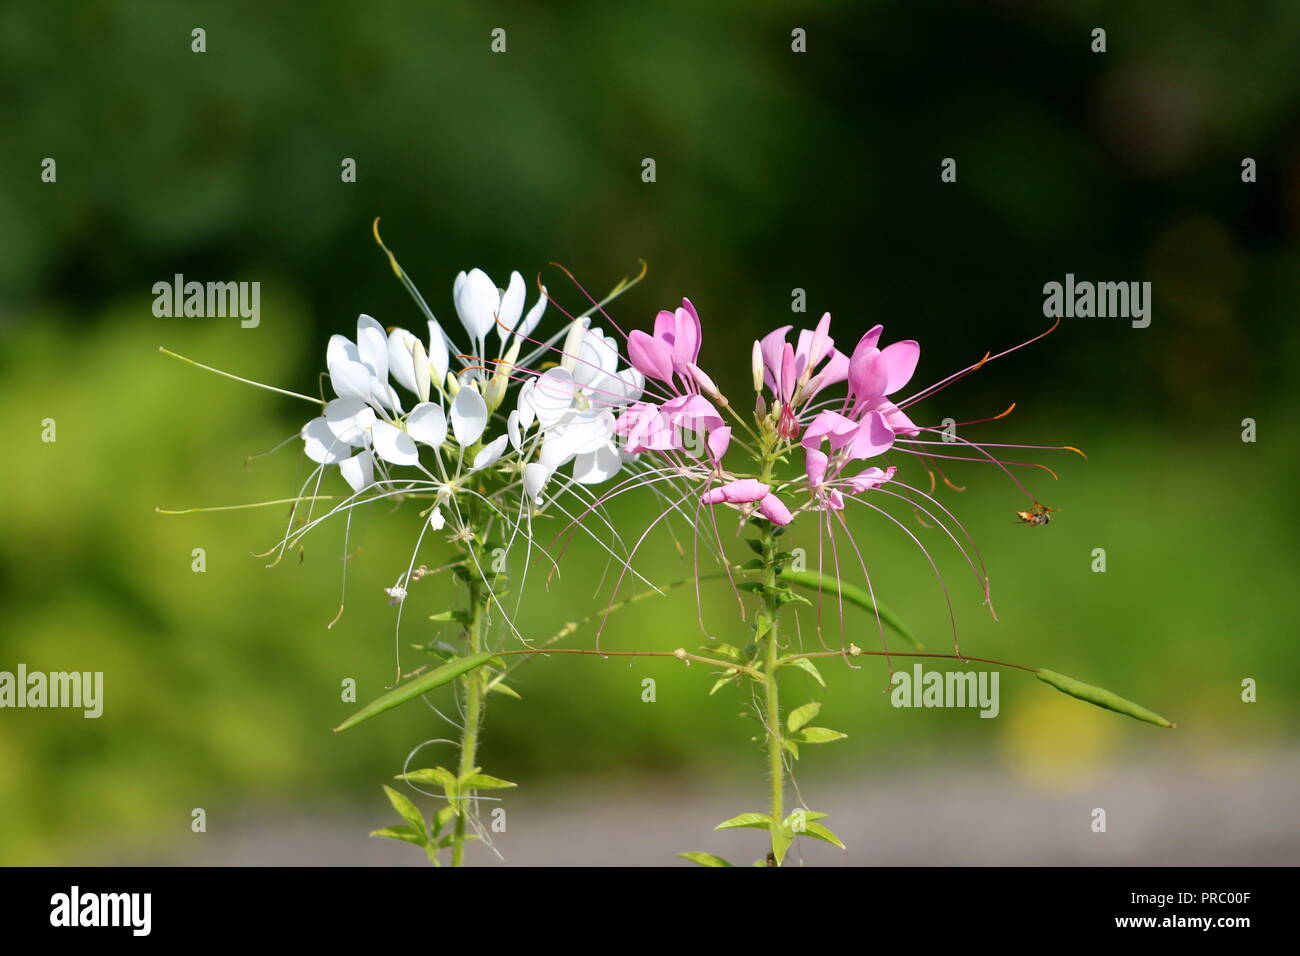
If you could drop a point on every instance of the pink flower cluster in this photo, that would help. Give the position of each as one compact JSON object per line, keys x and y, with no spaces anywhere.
{"x":832,"y":432}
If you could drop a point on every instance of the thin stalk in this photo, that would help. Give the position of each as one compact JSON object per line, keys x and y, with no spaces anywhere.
{"x":771,"y":690}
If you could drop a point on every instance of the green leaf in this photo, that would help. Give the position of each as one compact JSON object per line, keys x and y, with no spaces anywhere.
{"x":818,"y":735}
{"x":755,"y":545}
{"x":414,"y":688}
{"x":801,"y":715}
{"x":726,"y":651}
{"x":483,"y":781}
{"x":807,"y":815}
{"x":460,"y":616}
{"x":443,"y":817}
{"x":791,"y":747}
{"x":437,"y":776}
{"x":804,"y":664}
{"x":503,"y":688}
{"x":782,"y":837}
{"x":704,"y":859}
{"x":759,"y":821}
{"x":408,"y":812}
{"x":732,"y":674}
{"x":822,"y":833}
{"x":816,"y":581}
{"x":1099,"y":696}
{"x":404,"y":833}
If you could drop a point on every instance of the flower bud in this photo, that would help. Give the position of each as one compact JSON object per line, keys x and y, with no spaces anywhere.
{"x":756,"y":365}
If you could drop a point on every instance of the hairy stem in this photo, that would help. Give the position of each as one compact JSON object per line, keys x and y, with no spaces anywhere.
{"x":473,"y":683}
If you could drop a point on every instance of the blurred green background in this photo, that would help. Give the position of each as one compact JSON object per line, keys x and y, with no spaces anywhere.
{"x":775,"y":171}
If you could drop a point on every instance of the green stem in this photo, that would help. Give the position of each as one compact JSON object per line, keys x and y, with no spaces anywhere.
{"x":771,"y":691}
{"x":473,"y":718}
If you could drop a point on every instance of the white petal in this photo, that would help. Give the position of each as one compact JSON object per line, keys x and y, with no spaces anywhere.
{"x":427,"y":423}
{"x":489,"y":454}
{"x":555,"y":451}
{"x":340,"y":349}
{"x":439,"y":356}
{"x":349,"y":420}
{"x":525,"y":328}
{"x":394,"y":445}
{"x":437,"y":519}
{"x":401,"y":357}
{"x":351,"y":380}
{"x":536,"y":475}
{"x":512,"y":306}
{"x":423,"y":372}
{"x":594,"y":467}
{"x":552,"y":396}
{"x":589,"y":431}
{"x":512,"y":430}
{"x":527,"y":414}
{"x":320,"y":445}
{"x":359,"y":470}
{"x":468,"y":416}
{"x":477,"y":303}
{"x":372,"y":344}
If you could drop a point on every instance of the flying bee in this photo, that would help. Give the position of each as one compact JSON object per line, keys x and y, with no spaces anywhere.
{"x":1038,"y":514}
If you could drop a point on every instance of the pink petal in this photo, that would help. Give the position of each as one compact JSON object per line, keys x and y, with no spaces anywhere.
{"x":686,"y":343}
{"x":719,"y":441}
{"x":868,"y":376}
{"x":772,"y":345}
{"x":774,"y":510}
{"x":873,"y":437}
{"x":738,"y":492}
{"x":830,"y":424}
{"x":650,"y":356}
{"x":898,"y":421}
{"x":899,"y":361}
{"x":788,"y":373}
{"x":814,"y":463}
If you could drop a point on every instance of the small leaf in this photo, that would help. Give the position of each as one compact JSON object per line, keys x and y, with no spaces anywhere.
{"x":483,"y":781}
{"x":791,"y":747}
{"x":408,"y":812}
{"x":1099,"y":696}
{"x":726,"y":651}
{"x":460,"y":616}
{"x":759,"y":821}
{"x":822,"y":833}
{"x":804,"y":664}
{"x":437,"y":776}
{"x":414,"y":688}
{"x":801,"y":715}
{"x":503,"y":688}
{"x":818,"y":735}
{"x":704,"y":859}
{"x":755,"y":545}
{"x":404,"y":833}
{"x":807,"y":815}
{"x":826,"y":583}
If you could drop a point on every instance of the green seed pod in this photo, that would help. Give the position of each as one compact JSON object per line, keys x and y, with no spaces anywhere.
{"x":1099,"y":696}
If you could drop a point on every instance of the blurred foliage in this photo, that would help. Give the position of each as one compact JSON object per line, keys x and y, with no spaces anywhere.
{"x":774,"y":171}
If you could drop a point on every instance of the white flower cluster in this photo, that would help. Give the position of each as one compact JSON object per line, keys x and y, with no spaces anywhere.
{"x":563,"y":415}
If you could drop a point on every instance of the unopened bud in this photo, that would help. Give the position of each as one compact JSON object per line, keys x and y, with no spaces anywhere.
{"x":756,"y":365}
{"x":702,"y":379}
{"x":423,"y":371}
{"x":572,"y":345}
